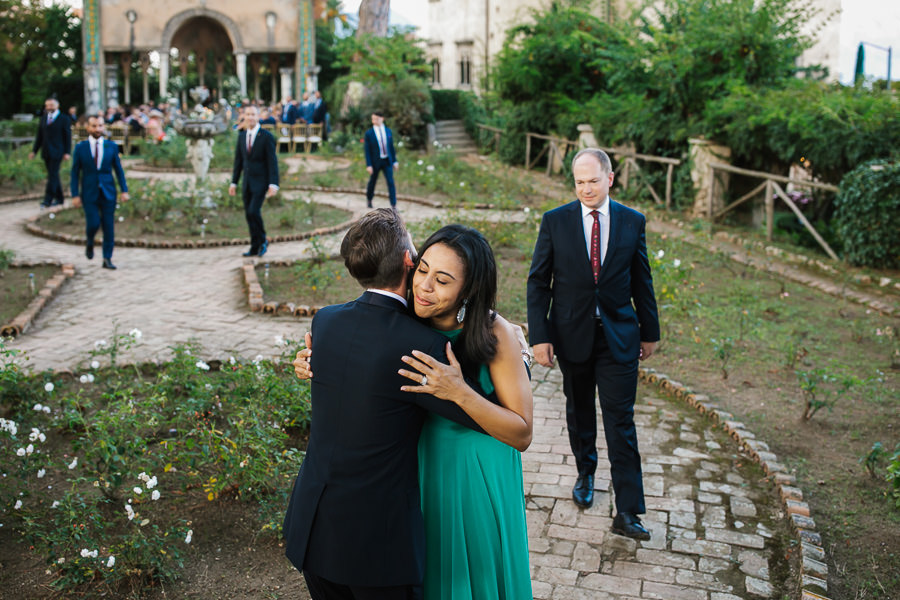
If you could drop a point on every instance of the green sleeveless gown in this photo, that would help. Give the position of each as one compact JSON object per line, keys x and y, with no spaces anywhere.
{"x":473,"y":502}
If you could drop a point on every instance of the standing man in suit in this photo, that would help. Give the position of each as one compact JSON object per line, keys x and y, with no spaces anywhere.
{"x":307,"y":107}
{"x":255,"y":154}
{"x":288,"y":112}
{"x":354,"y":525}
{"x":54,"y":140}
{"x":92,"y":170}
{"x":380,"y":156}
{"x":591,"y":303}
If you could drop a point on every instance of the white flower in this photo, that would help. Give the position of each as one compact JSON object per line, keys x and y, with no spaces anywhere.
{"x":110,"y":562}
{"x":136,"y":334}
{"x":42,"y":438}
{"x":90,"y":377}
{"x":152,"y":482}
{"x":677,"y":262}
{"x":138,"y":490}
{"x":155,"y":495}
{"x":143,"y":476}
{"x":231,"y":360}
{"x":420,"y":162}
{"x":38,"y":407}
{"x":52,"y":216}
{"x":187,"y":538}
{"x":18,"y":504}
{"x":46,"y":409}
{"x":61,"y":560}
{"x":73,"y":464}
{"x":660,"y":254}
{"x":526,"y":210}
{"x":9,"y":426}
{"x":29,"y":449}
{"x":35,"y":433}
{"x":83,"y":379}
{"x":55,"y":504}
{"x":429,"y":168}
{"x":279,"y":340}
{"x":462,"y":184}
{"x":129,"y":511}
{"x":121,"y":219}
{"x":48,"y":387}
{"x":85,"y":552}
{"x":20,"y":452}
{"x":202,"y":365}
{"x":100,"y":344}
{"x":41,"y":473}
{"x":95,"y":364}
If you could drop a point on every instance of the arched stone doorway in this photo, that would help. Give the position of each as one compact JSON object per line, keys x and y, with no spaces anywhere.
{"x":204,"y":52}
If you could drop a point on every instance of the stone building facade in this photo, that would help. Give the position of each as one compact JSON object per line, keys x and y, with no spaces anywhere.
{"x":267,"y":43}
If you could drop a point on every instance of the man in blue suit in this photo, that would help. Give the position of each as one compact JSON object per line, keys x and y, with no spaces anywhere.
{"x":93,"y":165}
{"x":255,"y":155}
{"x":380,"y":156}
{"x":289,"y":113}
{"x":54,"y":140}
{"x":591,"y":303}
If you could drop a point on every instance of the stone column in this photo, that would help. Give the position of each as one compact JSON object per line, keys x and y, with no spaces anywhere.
{"x":125,"y":62}
{"x":145,"y":75}
{"x":586,"y":137}
{"x":112,"y":85}
{"x":287,"y":82}
{"x":242,"y":71}
{"x":163,"y":75}
{"x":708,"y":198}
{"x":273,"y":71}
{"x":92,"y":89}
{"x":255,"y":66}
{"x":200,"y":61}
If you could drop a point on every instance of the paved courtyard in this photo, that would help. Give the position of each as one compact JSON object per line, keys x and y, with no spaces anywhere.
{"x":716,"y":523}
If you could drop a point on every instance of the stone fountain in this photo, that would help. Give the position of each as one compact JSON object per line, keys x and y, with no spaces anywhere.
{"x":199,"y":128}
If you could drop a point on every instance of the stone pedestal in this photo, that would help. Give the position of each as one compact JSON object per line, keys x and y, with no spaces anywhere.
{"x":586,"y":137}
{"x":200,"y":153}
{"x":704,"y":153}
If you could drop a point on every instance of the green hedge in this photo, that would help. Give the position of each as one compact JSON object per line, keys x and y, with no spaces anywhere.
{"x":447,"y":104}
{"x":867,"y":214}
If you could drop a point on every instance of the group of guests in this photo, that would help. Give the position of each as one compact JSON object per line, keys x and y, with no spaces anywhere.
{"x":311,"y":109}
{"x":421,"y":400}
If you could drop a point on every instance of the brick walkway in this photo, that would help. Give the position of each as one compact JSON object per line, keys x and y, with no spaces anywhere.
{"x":713,"y":519}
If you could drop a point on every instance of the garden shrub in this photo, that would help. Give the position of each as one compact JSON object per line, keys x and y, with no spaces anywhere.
{"x":446,"y":104}
{"x":867,"y":214}
{"x":18,"y":169}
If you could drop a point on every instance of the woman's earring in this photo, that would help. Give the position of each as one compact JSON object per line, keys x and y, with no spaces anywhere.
{"x":462,"y":312}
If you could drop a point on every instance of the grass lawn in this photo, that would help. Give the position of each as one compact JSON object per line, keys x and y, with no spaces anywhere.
{"x":15,"y":292}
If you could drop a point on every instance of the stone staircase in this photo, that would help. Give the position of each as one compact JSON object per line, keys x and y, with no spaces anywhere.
{"x":453,"y":133}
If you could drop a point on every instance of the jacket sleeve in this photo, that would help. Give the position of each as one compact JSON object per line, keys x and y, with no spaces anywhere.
{"x":67,"y":128}
{"x":271,"y":160}
{"x":76,"y":172}
{"x":367,"y":149}
{"x":642,"y":290}
{"x":39,"y":138}
{"x":540,"y":286}
{"x":238,"y":161}
{"x":120,"y":174}
{"x":391,"y":150}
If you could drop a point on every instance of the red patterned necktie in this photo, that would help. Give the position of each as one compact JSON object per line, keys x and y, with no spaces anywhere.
{"x":249,"y":143}
{"x":595,"y":245}
{"x":97,"y":153}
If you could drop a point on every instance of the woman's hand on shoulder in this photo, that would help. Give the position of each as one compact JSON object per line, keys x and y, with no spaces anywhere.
{"x":503,"y":329}
{"x":301,"y":363}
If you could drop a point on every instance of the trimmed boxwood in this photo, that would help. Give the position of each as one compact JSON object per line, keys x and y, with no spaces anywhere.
{"x":867,"y":214}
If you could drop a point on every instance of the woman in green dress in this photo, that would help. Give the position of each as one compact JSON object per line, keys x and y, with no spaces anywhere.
{"x":471,"y":484}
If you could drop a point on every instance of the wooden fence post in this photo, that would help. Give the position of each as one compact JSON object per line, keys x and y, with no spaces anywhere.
{"x":770,"y":210}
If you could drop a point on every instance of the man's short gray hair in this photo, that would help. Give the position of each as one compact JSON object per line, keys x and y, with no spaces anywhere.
{"x":601,"y":157}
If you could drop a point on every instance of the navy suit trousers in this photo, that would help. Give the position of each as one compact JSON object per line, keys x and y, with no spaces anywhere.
{"x":616,"y":384}
{"x":253,"y":212}
{"x":382,"y":164}
{"x":53,"y":193}
{"x":101,"y":213}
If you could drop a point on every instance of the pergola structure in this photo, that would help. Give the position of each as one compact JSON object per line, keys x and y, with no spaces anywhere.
{"x":237,"y":38}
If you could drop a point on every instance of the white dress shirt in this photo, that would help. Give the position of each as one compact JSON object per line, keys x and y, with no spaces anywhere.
{"x":97,"y":150}
{"x":388,"y":294}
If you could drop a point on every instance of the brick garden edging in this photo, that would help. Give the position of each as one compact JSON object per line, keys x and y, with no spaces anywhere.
{"x":21,"y":198}
{"x":255,"y":294}
{"x":24,"y":319}
{"x":404,"y":197}
{"x":143,"y":167}
{"x":32,"y":227}
{"x":813,"y":570}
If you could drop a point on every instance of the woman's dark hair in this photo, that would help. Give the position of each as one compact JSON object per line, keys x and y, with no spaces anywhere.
{"x":477,"y":343}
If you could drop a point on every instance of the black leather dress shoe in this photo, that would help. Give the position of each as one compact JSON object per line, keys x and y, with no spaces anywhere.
{"x":107,"y":264}
{"x":89,"y":251}
{"x":249,"y":253}
{"x":629,"y":525}
{"x":264,"y":248}
{"x":583,"y":492}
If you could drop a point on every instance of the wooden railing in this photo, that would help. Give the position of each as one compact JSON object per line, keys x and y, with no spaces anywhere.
{"x":497,"y":133}
{"x":556,"y":148}
{"x":630,"y":162}
{"x":771,"y":188}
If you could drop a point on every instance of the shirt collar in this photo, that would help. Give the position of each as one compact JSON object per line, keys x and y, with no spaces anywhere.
{"x":603,"y":210}
{"x":389,"y":295}
{"x":254,"y":131}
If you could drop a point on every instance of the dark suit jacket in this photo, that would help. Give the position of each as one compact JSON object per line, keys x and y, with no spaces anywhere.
{"x":562,"y":296}
{"x":354,"y":515}
{"x":292,"y":115}
{"x":54,"y":140}
{"x":95,"y":182}
{"x":373,"y":152}
{"x":319,"y":112}
{"x":260,"y":165}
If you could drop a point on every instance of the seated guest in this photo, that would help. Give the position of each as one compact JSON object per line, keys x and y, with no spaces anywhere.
{"x":266,"y":118}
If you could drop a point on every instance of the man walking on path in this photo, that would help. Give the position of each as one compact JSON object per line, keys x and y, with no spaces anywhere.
{"x":380,"y":156}
{"x":591,"y":302}
{"x":54,"y":140}
{"x":255,"y":154}
{"x":93,"y":165}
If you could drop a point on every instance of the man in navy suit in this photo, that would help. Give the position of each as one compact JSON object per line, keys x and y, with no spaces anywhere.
{"x":289,"y":112}
{"x":354,"y":525}
{"x":54,"y":140}
{"x":380,"y":156}
{"x":93,"y":165}
{"x":591,"y":303}
{"x":255,"y":154}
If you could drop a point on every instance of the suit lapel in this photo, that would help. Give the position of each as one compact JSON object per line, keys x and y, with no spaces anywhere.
{"x":575,"y":227}
{"x":615,"y":233}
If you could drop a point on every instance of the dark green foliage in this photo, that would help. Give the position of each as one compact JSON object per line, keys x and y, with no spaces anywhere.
{"x":867,"y":212}
{"x":446,"y":104}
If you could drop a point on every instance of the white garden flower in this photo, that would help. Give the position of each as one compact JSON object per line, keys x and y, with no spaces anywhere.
{"x":52,"y":216}
{"x":29,"y":449}
{"x":121,"y":219}
{"x":138,"y":490}
{"x":73,"y":464}
{"x":61,"y":560}
{"x":660,"y":254}
{"x":55,"y":504}
{"x":279,"y":340}
{"x":136,"y":333}
{"x":46,"y":410}
{"x":41,"y":473}
{"x":48,"y":387}
{"x":20,"y":452}
{"x":110,"y":562}
{"x":152,"y":482}
{"x":420,"y":162}
{"x":10,"y":426}
{"x":129,"y":511}
{"x":90,"y":377}
{"x":95,"y":364}
{"x":187,"y":538}
{"x":231,"y":360}
{"x":526,"y":210}
{"x":677,"y":262}
{"x":85,"y":552}
{"x":429,"y":168}
{"x":18,"y":504}
{"x":202,"y":365}
{"x":155,"y":495}
{"x":143,"y":476}
{"x":462,"y":184}
{"x":38,"y":407}
{"x":35,"y":433}
{"x":83,"y":379}
{"x":100,"y":344}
